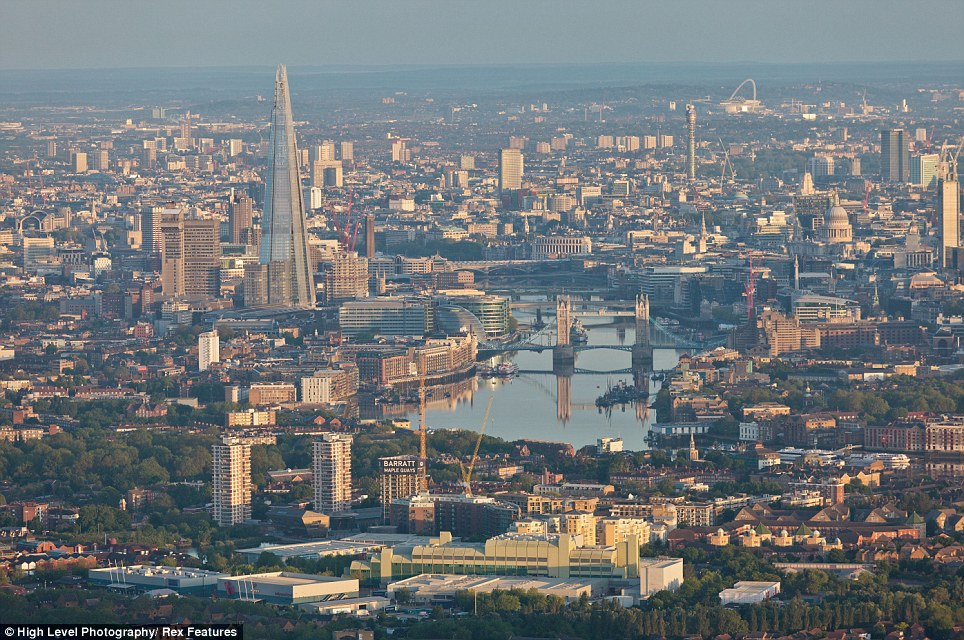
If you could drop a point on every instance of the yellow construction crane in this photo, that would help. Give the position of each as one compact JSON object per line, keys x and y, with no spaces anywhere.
{"x":467,"y":472}
{"x":422,"y":445}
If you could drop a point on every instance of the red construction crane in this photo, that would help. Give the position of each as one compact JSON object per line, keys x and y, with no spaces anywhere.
{"x":354,"y":235}
{"x":349,"y":232}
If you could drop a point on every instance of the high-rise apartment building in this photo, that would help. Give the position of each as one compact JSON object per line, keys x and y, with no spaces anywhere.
{"x":284,"y":239}
{"x":315,"y":197}
{"x":510,"y":170}
{"x":401,"y":477}
{"x":208,"y":350}
{"x":231,"y":487}
{"x":400,"y":152}
{"x":949,"y":216}
{"x":346,"y":151}
{"x":322,"y":152}
{"x":79,"y":162}
{"x":326,"y":150}
{"x":331,"y":472}
{"x":100,"y":160}
{"x":241,"y":218}
{"x":894,"y":156}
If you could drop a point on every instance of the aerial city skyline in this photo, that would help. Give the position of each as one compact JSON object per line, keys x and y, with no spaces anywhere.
{"x":566,"y":336}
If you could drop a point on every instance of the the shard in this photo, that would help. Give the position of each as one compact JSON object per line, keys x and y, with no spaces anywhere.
{"x":284,"y":243}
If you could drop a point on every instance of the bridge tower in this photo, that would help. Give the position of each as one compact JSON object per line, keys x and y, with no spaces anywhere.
{"x":643,"y":348}
{"x":563,"y":398}
{"x":563,"y":319}
{"x":563,"y":355}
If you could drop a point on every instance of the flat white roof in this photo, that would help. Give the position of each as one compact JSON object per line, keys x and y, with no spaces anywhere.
{"x":286,"y":578}
{"x":158,"y":571}
{"x":444,"y":582}
{"x":749,"y":587}
{"x":661,"y":563}
{"x":357,"y":543}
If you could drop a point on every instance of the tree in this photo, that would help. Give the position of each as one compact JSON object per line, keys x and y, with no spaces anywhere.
{"x":150,"y":472}
{"x":103,"y":519}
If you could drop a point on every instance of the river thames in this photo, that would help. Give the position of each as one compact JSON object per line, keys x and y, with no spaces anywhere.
{"x":543,"y":406}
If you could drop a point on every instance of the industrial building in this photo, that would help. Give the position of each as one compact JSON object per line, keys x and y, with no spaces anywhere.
{"x":553,"y":555}
{"x":140,"y":578}
{"x":286,"y":588}
{"x":353,"y":606}
{"x":747,"y":592}
{"x":351,"y":546}
{"x":430,"y":589}
{"x":659,"y":574}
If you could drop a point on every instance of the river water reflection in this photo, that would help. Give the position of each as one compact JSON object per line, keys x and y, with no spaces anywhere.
{"x":543,"y":406}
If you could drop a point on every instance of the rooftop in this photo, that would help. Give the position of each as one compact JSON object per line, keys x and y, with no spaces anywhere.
{"x":285,"y":578}
{"x":432,"y":582}
{"x":351,"y":545}
{"x":158,"y":571}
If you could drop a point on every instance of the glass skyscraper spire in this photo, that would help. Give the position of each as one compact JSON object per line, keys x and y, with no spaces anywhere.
{"x":284,"y":243}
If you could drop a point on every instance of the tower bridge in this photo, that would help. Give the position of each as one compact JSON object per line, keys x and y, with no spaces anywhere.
{"x":651,"y":333}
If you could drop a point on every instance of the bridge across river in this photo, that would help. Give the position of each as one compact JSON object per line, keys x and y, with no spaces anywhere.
{"x":647,"y":328}
{"x":627,"y":371}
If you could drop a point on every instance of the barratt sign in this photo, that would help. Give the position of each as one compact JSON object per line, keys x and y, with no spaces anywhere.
{"x":402,"y":466}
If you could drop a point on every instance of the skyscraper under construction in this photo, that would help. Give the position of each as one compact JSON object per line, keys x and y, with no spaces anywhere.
{"x":284,"y":244}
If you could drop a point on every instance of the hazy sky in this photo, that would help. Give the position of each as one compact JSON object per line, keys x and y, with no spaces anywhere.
{"x":40,"y":34}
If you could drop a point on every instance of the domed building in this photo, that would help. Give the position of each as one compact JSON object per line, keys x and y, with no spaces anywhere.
{"x":836,"y":227}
